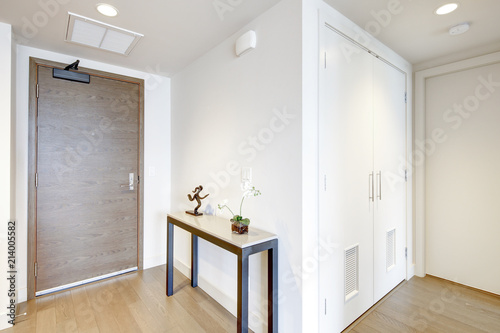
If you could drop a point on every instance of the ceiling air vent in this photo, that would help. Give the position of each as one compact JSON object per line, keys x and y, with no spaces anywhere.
{"x":85,"y":31}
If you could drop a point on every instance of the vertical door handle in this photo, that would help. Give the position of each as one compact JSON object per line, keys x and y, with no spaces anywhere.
{"x":130,"y":184}
{"x":370,"y":187}
{"x":379,"y":178}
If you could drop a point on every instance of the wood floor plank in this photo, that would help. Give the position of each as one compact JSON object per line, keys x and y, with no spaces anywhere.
{"x":84,"y":315}
{"x":198,"y":313}
{"x":185,"y":322}
{"x":45,"y":302}
{"x":365,"y":327}
{"x":121,"y":313}
{"x":64,"y":306}
{"x":100,"y":298}
{"x":144,"y":318}
{"x":391,"y":323}
{"x":404,"y":312}
{"x":67,"y":326}
{"x":224,"y":320}
{"x":165,"y":318}
{"x":433,"y":305}
{"x":136,"y":302}
{"x":429,"y":314}
{"x":46,"y":320}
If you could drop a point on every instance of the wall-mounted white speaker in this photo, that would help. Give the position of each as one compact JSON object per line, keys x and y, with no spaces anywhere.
{"x":246,"y":42}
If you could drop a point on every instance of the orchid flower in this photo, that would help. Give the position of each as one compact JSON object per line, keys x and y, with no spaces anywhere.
{"x":248,"y":191}
{"x":224,"y":205}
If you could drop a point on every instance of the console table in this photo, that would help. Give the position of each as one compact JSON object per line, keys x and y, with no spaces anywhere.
{"x":217,"y":231}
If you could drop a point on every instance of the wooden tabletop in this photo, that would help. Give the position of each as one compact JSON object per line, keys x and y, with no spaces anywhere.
{"x":221,"y":228}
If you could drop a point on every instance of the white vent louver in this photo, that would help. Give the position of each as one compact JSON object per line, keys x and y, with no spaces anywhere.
{"x":351,"y":272}
{"x":391,"y":249}
{"x":85,"y":31}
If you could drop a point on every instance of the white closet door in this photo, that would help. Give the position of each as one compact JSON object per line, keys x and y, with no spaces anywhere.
{"x":346,"y":164}
{"x":389,"y":153}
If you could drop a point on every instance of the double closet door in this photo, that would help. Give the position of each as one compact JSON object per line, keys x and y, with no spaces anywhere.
{"x":363,"y":191}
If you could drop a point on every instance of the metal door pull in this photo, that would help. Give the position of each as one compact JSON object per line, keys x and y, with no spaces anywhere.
{"x":130,"y":184}
{"x":379,"y":176}
{"x":371,"y":193}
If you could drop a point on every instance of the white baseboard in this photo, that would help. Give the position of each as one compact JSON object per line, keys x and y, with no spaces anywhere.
{"x":155,"y":261}
{"x":411,"y":271}
{"x":4,"y":321}
{"x":22,"y":295}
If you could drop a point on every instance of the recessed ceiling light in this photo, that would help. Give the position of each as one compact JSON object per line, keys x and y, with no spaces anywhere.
{"x":446,"y":9}
{"x":106,"y":9}
{"x":459,"y":29}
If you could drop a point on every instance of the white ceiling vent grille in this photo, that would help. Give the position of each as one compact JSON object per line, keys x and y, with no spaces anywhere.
{"x":85,"y":31}
{"x":351,"y":272}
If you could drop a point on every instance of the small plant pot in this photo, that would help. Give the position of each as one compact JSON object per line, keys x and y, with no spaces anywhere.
{"x":238,"y":227}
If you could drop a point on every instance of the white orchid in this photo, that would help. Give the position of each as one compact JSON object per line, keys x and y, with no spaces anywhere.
{"x":223,"y":205}
{"x":249,"y":191}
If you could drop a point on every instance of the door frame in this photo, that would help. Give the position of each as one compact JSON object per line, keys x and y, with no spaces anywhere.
{"x":420,"y":136}
{"x":32,"y":160}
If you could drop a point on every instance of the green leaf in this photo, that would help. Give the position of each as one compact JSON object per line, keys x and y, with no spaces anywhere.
{"x":245,"y":221}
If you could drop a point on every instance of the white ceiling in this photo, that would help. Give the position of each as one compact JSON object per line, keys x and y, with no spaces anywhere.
{"x":176,"y":32}
{"x":420,"y":36}
{"x":179,"y":31}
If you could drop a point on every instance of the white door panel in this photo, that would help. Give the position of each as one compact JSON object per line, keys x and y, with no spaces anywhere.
{"x":346,"y":132}
{"x":389,"y":165}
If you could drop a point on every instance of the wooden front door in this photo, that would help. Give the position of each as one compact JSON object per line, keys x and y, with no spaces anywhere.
{"x":88,"y":158}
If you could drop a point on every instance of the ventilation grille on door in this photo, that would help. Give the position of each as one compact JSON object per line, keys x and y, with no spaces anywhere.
{"x":390,"y":249}
{"x":351,"y":272}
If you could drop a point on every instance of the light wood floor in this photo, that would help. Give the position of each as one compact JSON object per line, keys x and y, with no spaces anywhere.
{"x":136,"y":302}
{"x":432,"y":305}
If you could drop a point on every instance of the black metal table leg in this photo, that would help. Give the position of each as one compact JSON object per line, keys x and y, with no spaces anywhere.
{"x":194,"y":261}
{"x":242,"y":326}
{"x":272,"y":288}
{"x":170,"y":259}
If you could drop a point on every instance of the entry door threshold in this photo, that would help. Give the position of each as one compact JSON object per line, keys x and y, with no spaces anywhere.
{"x":79,"y":283}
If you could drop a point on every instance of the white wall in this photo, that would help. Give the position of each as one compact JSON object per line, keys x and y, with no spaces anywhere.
{"x":310,"y":164}
{"x":156,"y":154}
{"x":229,"y":112}
{"x":462,"y":186}
{"x":5,"y":163}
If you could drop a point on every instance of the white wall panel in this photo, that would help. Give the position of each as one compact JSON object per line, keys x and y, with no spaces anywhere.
{"x":230,"y":112}
{"x":462,"y":183}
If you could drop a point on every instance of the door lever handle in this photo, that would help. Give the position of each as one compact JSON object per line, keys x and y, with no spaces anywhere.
{"x":130,"y":184}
